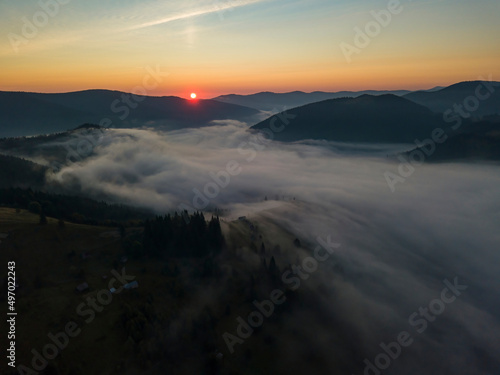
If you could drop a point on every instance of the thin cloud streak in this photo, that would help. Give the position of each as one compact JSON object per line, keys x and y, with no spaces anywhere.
{"x":213,"y":9}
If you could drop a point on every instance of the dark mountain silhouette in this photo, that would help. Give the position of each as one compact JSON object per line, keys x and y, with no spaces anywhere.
{"x":69,"y":207}
{"x":433,"y":89}
{"x":54,"y":147}
{"x":477,"y":141}
{"x":17,"y":172}
{"x":270,"y":101}
{"x":445,"y":99}
{"x":24,"y":113}
{"x":385,"y":118}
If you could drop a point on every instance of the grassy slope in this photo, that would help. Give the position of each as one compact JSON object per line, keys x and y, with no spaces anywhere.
{"x":47,"y":275}
{"x":46,"y":301}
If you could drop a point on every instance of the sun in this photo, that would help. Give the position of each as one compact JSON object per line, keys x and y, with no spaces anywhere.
{"x":193,"y":95}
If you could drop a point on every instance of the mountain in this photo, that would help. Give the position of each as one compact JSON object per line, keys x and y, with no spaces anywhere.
{"x":17,"y":172}
{"x":385,"y":118}
{"x":460,"y":94}
{"x":478,"y":141}
{"x":55,"y":148}
{"x":433,"y":89}
{"x":275,"y":102}
{"x":23,"y":113}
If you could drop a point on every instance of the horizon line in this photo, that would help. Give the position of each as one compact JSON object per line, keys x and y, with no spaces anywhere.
{"x":246,"y":94}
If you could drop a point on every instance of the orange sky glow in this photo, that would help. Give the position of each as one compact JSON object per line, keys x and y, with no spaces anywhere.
{"x":253,"y":46}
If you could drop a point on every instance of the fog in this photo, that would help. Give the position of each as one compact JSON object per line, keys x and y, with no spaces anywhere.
{"x":396,"y":247}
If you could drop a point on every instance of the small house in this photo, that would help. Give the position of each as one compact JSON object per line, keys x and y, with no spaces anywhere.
{"x":132,"y":285}
{"x":82,"y":287}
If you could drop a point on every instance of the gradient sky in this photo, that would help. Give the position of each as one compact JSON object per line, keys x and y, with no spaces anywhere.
{"x":215,"y":47}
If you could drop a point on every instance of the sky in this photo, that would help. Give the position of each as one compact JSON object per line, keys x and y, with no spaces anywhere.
{"x":215,"y":47}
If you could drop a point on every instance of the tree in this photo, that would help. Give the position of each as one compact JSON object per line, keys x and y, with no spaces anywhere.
{"x":175,"y":236}
{"x":121,"y":229}
{"x":43,"y":218}
{"x":274,"y":270}
{"x":262,"y":249}
{"x":35,"y":207}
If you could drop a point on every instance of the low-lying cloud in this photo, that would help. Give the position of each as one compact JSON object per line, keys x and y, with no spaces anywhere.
{"x":397,"y":248}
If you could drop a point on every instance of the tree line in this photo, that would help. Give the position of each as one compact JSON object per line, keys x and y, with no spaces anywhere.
{"x":74,"y":209}
{"x":186,"y":235}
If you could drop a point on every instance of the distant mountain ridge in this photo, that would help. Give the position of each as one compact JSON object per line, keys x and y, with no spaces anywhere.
{"x":382,"y":119}
{"x":271,"y":101}
{"x":477,"y":141}
{"x":438,"y":99}
{"x":25,"y":113}
{"x":481,"y":94}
